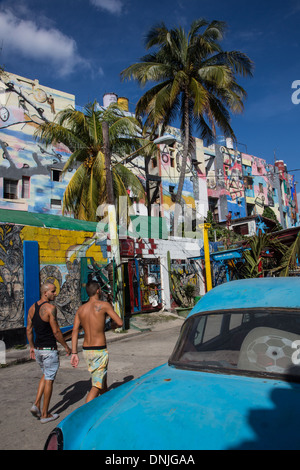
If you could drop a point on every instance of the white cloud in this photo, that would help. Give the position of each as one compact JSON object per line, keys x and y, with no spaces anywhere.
{"x":32,"y":41}
{"x":112,"y":6}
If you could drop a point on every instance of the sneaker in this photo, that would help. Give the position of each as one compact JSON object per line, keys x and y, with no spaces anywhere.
{"x":50,"y":418}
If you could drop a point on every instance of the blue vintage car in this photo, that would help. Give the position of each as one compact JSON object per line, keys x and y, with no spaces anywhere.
{"x":232,"y":381}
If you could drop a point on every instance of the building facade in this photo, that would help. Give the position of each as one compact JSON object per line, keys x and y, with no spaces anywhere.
{"x":243,"y":185}
{"x":31,"y":176}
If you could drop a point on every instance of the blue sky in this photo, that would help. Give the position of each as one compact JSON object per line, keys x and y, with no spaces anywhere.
{"x":81,"y":46}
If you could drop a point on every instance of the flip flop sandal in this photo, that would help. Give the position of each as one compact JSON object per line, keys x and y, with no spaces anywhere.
{"x":35,"y":411}
{"x":50,"y":418}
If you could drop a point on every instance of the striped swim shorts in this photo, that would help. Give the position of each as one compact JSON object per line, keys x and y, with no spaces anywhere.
{"x":96,"y":359}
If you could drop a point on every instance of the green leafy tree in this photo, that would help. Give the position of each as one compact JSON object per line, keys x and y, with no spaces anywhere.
{"x":81,"y":132}
{"x":268,"y":213}
{"x":195,"y":80}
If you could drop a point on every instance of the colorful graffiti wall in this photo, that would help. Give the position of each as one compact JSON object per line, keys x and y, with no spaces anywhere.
{"x":30,"y":174}
{"x":194,"y":193}
{"x":233,"y":180}
{"x":243,"y":185}
{"x":60,"y":253}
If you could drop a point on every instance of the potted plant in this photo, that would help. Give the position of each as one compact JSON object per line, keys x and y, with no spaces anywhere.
{"x":185,"y":298}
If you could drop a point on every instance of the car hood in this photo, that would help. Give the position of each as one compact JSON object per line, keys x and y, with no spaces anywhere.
{"x":169,"y":408}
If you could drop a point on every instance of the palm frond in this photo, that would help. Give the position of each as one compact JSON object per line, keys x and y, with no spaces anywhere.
{"x":289,"y":259}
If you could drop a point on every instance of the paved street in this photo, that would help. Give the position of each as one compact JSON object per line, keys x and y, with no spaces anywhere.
{"x":129,"y":358}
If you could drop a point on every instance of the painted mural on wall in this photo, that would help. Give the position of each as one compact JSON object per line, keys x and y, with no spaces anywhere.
{"x":11,"y":277}
{"x":194,"y":187}
{"x":242,"y":185}
{"x":60,"y":253}
{"x":233,"y":181}
{"x":30,"y":173}
{"x":183,"y":273}
{"x":149,"y":282}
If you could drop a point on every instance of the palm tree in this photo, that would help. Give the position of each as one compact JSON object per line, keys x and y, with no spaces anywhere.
{"x":291,"y":255}
{"x":81,"y":132}
{"x":284,"y":258}
{"x":194,"y":78}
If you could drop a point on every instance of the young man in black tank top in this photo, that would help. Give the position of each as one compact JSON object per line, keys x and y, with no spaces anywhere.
{"x":42,"y":319}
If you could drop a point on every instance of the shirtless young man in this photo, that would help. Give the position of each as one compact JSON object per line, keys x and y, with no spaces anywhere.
{"x":91,"y":317}
{"x":42,"y":319}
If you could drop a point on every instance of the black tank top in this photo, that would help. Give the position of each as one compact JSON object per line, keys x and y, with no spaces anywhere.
{"x":44,"y":337}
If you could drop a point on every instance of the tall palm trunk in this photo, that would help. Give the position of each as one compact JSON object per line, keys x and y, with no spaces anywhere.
{"x":185,"y":148}
{"x":178,"y":208}
{"x":107,"y":156}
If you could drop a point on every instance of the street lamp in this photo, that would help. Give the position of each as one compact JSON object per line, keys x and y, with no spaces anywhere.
{"x":166,"y":139}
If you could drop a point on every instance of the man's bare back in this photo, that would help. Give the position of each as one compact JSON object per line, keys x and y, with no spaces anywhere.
{"x":92,"y":316}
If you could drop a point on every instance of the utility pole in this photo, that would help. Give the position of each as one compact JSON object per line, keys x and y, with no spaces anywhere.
{"x":113,"y":229}
{"x":206,"y":227}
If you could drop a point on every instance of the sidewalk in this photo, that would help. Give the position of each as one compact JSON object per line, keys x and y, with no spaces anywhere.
{"x":139,"y":324}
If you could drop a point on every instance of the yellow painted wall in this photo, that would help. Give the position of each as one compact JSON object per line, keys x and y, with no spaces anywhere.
{"x":58,"y":246}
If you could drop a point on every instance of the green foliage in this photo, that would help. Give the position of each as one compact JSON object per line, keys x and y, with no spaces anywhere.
{"x":183,"y":294}
{"x":283,"y":257}
{"x":221,"y":234}
{"x":289,"y":259}
{"x":81,"y":132}
{"x":253,"y":257}
{"x":270,"y":214}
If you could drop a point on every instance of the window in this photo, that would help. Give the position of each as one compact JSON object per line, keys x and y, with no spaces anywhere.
{"x":242,"y":229}
{"x":56,"y":175}
{"x":248,"y":182}
{"x":154,"y":162}
{"x":261,"y":187}
{"x":260,"y":342}
{"x":10,"y":189}
{"x":25,"y":187}
{"x":55,"y":203}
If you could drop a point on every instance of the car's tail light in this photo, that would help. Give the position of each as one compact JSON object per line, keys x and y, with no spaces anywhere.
{"x":55,"y":440}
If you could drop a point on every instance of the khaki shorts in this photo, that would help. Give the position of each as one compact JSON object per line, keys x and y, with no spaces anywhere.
{"x":97,"y":362}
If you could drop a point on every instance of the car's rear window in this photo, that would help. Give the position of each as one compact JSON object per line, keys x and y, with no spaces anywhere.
{"x":257,"y":342}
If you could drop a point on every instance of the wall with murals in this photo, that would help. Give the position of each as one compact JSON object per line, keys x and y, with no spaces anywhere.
{"x":244,"y":185}
{"x":60,"y":254}
{"x":233,"y":180}
{"x":30,"y":173}
{"x":194,"y":194}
